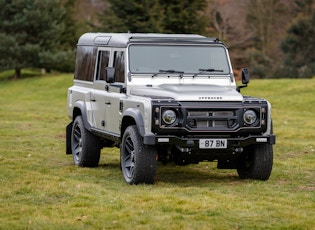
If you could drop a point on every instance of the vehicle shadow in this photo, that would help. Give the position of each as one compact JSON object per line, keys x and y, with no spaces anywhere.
{"x":202,"y":174}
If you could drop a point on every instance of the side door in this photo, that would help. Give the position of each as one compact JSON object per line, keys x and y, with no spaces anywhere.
{"x":99,"y":94}
{"x":116,"y":91}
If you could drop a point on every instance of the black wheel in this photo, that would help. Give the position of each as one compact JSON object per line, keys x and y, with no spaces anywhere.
{"x":138,"y":161}
{"x":85,"y":146}
{"x":256,"y":162}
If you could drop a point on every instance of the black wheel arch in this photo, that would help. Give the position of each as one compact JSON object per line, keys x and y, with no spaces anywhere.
{"x":80,"y":109}
{"x":132,"y":117}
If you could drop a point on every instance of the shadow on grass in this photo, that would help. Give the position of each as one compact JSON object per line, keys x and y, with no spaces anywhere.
{"x":194,"y":174}
{"x":110,"y":165}
{"x":202,"y":174}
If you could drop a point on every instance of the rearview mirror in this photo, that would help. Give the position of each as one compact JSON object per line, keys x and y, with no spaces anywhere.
{"x":245,"y":79}
{"x":110,"y":74}
{"x":245,"y":76}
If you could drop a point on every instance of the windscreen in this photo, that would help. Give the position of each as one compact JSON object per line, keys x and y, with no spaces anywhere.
{"x":187,"y":59}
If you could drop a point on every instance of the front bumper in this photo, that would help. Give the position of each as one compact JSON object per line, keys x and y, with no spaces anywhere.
{"x":233,"y":143}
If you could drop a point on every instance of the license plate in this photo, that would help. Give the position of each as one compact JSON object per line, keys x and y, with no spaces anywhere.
{"x":212,"y":143}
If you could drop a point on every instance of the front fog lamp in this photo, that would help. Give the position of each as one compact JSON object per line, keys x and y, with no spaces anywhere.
{"x":249,"y":117}
{"x":169,"y":117}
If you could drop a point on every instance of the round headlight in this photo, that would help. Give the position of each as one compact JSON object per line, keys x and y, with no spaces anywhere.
{"x":250,"y":117}
{"x":169,"y":117}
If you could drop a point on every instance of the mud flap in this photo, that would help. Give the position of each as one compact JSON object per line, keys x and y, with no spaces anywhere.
{"x":68,"y":138}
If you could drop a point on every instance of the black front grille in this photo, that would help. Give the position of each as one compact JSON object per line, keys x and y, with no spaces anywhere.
{"x":209,"y":119}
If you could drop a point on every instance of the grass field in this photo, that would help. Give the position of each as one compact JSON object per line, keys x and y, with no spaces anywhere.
{"x":42,"y":189}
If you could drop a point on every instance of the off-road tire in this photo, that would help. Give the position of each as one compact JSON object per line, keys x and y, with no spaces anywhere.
{"x":85,"y":146}
{"x":256,"y":162}
{"x":138,"y":161}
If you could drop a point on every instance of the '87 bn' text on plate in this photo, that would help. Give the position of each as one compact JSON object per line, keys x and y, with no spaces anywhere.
{"x":212,"y":143}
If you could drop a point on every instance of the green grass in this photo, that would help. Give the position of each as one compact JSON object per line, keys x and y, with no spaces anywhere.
{"x":42,"y":189}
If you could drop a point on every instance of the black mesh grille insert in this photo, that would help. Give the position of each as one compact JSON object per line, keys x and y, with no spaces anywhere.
{"x":211,"y":119}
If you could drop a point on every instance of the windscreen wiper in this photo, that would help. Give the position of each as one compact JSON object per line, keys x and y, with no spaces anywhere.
{"x":161,"y":71}
{"x":207,"y":70}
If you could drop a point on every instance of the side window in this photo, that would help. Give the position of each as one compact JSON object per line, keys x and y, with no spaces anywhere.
{"x":119,"y":64}
{"x":85,"y":63}
{"x":102,"y":63}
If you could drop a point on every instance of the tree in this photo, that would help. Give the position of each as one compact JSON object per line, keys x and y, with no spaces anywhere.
{"x":305,"y":7}
{"x":69,"y":35}
{"x":131,"y":15}
{"x":252,"y":29}
{"x":30,"y":32}
{"x":266,"y":19}
{"x":184,"y":16}
{"x":299,"y":45}
{"x":175,"y":16}
{"x":62,"y":57}
{"x":229,"y":24}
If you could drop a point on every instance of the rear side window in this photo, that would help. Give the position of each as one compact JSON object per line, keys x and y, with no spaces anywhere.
{"x":102,"y":63}
{"x":85,"y":63}
{"x":119,"y":64}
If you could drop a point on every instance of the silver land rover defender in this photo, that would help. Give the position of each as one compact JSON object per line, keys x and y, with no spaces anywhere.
{"x":168,"y":98}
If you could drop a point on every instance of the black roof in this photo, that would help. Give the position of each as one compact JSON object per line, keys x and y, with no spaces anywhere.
{"x":123,"y":39}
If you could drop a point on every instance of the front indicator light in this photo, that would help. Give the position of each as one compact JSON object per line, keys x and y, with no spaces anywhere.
{"x":249,"y":117}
